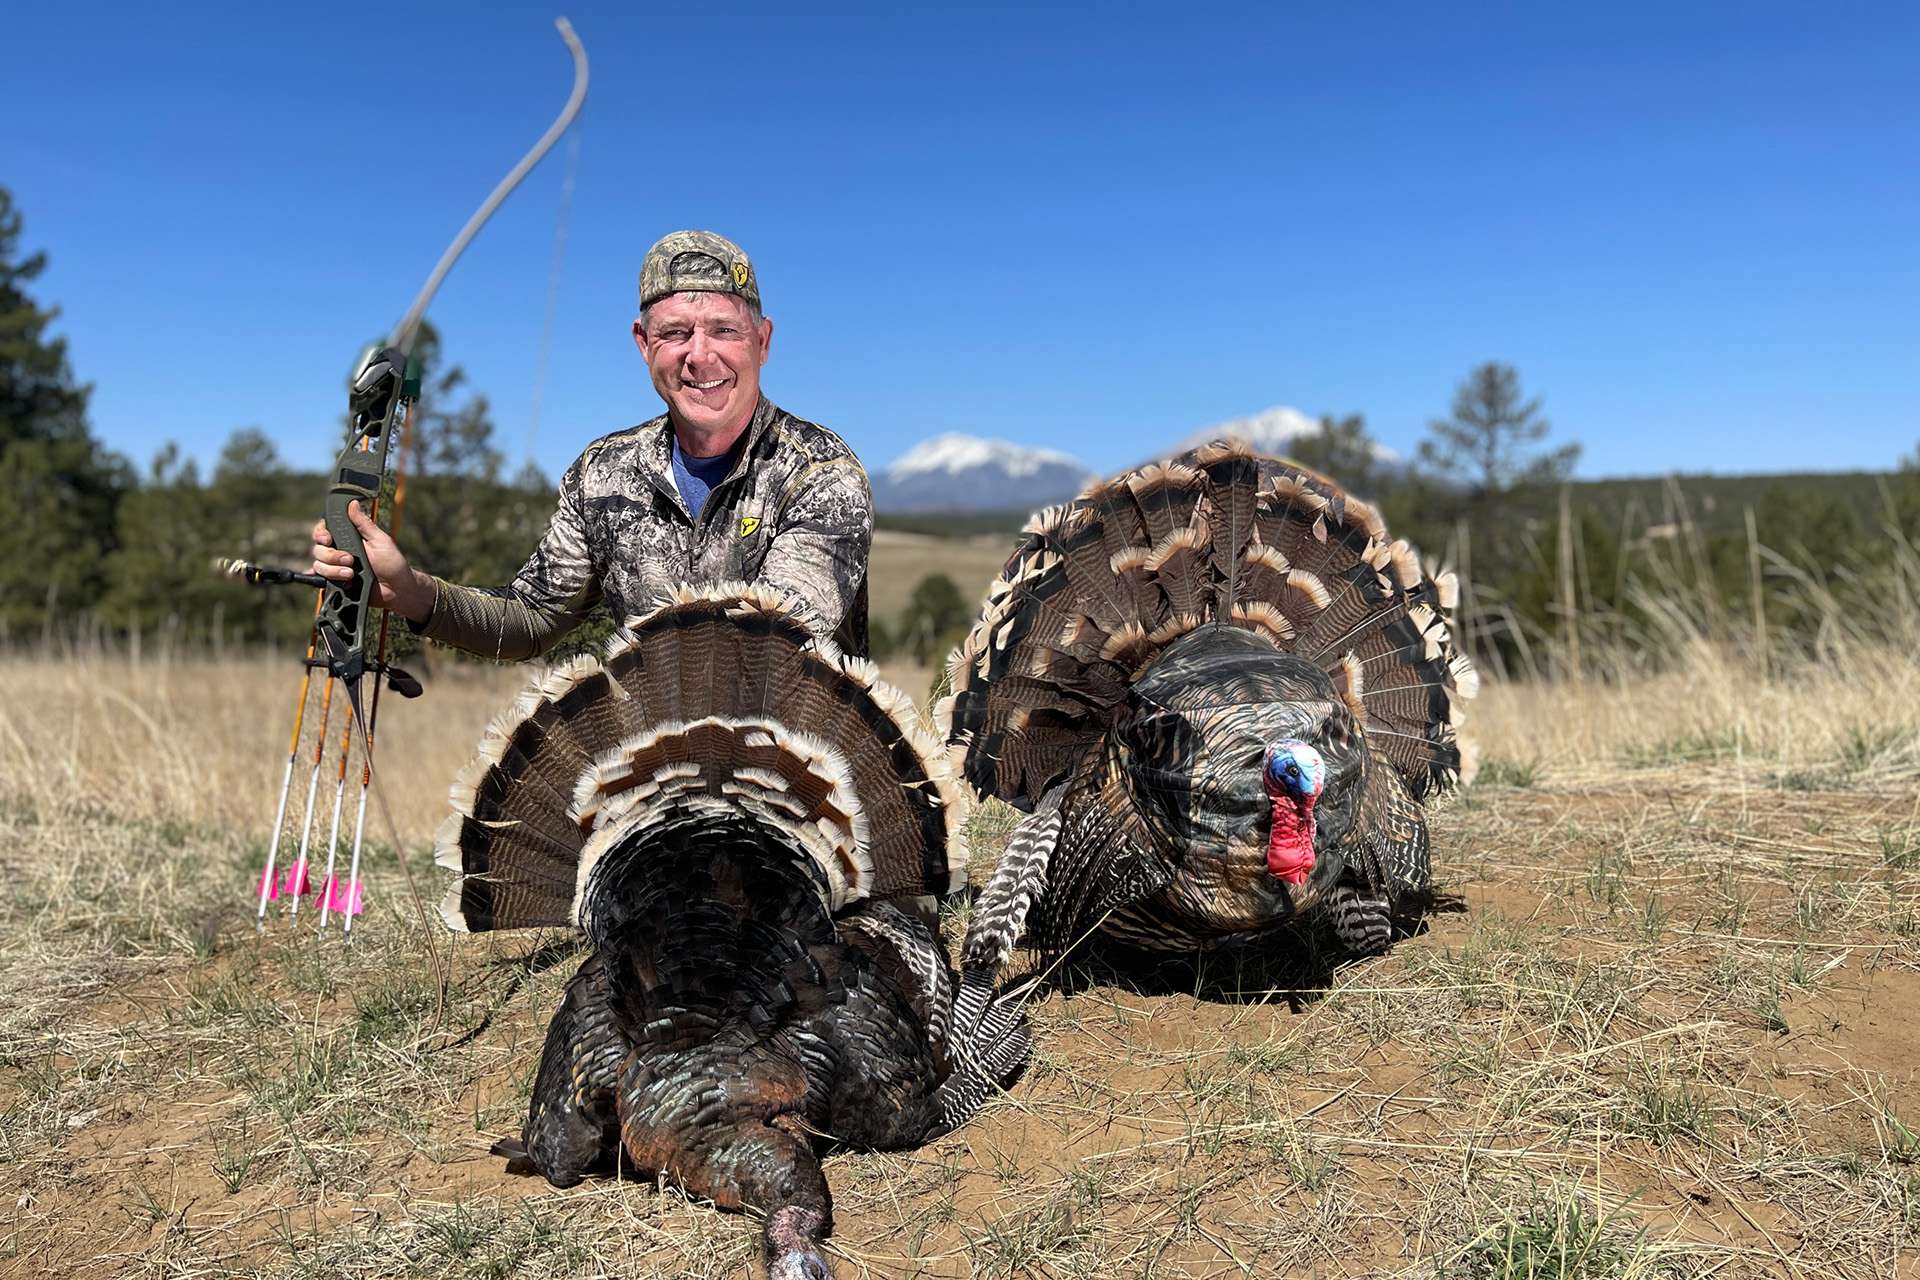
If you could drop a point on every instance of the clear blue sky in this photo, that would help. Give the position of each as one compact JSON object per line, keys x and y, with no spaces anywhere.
{"x":1692,"y":227}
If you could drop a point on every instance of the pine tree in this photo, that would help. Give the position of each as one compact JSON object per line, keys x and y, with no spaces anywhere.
{"x":1488,"y":445}
{"x":1486,"y":461}
{"x":1343,"y":449}
{"x":461,"y":521}
{"x":58,"y":488}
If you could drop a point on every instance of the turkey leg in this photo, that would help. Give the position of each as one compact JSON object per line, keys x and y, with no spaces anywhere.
{"x":572,"y":1128}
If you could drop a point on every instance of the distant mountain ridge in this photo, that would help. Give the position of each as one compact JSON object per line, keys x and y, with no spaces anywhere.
{"x":959,"y":473}
{"x":960,"y":484}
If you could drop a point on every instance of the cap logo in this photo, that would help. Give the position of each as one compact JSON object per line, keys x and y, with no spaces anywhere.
{"x":748,"y":523}
{"x":740,"y":274}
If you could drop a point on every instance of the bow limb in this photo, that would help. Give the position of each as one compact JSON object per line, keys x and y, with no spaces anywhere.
{"x":403,"y":333}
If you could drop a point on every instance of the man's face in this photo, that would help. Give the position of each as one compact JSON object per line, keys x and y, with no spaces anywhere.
{"x":705,"y":357}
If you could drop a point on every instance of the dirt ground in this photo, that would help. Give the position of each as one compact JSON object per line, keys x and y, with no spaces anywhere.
{"x":1656,"y":1018}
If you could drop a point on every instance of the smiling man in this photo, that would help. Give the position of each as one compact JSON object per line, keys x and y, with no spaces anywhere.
{"x":724,"y":486}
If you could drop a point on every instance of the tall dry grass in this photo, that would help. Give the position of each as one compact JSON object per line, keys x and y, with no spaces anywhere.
{"x":201,"y":742}
{"x":1863,"y":713}
{"x":1814,"y":670}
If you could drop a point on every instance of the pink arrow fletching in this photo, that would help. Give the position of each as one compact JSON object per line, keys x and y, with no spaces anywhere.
{"x":344,"y":897}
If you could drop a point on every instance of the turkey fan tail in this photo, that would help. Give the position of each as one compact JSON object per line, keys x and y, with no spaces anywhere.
{"x":1102,"y":585}
{"x":1324,"y":577}
{"x":511,"y":835}
{"x":720,"y":701}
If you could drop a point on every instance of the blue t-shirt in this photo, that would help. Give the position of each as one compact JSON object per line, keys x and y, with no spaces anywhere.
{"x":695,"y":477}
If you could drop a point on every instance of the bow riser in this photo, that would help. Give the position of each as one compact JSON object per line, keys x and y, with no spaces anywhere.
{"x":377,"y":403}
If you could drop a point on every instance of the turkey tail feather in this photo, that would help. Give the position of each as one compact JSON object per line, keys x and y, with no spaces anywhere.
{"x":1233,"y":473}
{"x":991,"y":1039}
{"x":722,"y":698}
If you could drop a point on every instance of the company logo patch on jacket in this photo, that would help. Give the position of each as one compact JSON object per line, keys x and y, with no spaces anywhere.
{"x":748,"y":524}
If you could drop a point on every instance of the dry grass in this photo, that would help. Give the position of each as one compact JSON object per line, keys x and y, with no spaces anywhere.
{"x":1859,"y":717}
{"x":1659,"y":1023}
{"x":200,"y":744}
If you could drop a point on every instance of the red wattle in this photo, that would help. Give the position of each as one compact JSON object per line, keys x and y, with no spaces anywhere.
{"x":1290,"y":844}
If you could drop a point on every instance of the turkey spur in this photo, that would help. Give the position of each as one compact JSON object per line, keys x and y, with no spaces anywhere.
{"x":1220,"y":692}
{"x":725,"y":805}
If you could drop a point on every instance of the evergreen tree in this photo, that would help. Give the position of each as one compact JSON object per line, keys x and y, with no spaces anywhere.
{"x":58,"y":487}
{"x":1906,"y":495}
{"x":461,"y":521}
{"x":1485,"y":464}
{"x":173,"y":527}
{"x":452,"y":435}
{"x":1342,"y":449}
{"x":1487,"y":445}
{"x":936,"y":618}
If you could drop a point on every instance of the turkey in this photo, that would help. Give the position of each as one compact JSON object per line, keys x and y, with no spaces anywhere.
{"x":1220,"y":692}
{"x":725,"y":806}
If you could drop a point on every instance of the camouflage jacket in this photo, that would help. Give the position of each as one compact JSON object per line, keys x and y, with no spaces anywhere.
{"x":795,"y":513}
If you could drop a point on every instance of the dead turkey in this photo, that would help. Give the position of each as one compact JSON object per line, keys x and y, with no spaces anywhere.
{"x":725,"y":805}
{"x":1221,"y":692}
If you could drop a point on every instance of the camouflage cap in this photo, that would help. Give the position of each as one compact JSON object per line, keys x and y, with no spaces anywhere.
{"x":696,"y":262}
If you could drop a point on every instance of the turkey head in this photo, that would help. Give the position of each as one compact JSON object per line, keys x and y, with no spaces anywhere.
{"x":1245,"y":765}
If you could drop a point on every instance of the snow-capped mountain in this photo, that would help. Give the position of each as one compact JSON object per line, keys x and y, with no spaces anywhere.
{"x":956,"y":472}
{"x":959,"y":473}
{"x":1269,"y":431}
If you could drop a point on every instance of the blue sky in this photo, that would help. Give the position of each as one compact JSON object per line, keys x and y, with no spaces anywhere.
{"x":1693,"y":227}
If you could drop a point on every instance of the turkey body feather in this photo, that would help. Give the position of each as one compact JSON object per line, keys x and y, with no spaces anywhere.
{"x":1222,"y":693}
{"x":726,"y":805}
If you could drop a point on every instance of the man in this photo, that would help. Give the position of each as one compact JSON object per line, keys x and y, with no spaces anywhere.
{"x":723,"y":486}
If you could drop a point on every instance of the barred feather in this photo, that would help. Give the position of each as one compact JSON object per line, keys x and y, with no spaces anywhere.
{"x":1000,"y":911}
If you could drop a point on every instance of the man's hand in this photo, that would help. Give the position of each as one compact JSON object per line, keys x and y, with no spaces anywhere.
{"x":397,"y":585}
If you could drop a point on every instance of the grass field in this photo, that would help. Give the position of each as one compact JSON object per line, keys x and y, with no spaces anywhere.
{"x":901,"y":560}
{"x":1658,"y":1021}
